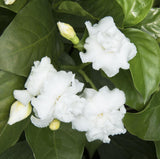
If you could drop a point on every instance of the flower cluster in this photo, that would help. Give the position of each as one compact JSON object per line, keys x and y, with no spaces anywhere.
{"x":107,"y":48}
{"x":53,"y":95}
{"x":58,"y":96}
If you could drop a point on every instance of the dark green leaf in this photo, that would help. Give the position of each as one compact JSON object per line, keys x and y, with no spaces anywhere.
{"x":102,"y":8}
{"x":157,"y":144}
{"x":127,"y":147}
{"x":6,"y":17}
{"x":145,"y":124}
{"x":93,"y":9}
{"x":151,"y":24}
{"x":9,"y":134}
{"x":20,"y":151}
{"x":123,"y":81}
{"x":92,"y":147}
{"x":30,"y":36}
{"x":72,"y":8}
{"x":15,"y":7}
{"x":135,"y":10}
{"x":61,"y":144}
{"x":146,"y":65}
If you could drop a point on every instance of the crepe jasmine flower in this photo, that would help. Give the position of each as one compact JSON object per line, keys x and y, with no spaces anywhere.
{"x":102,"y":115}
{"x":58,"y":99}
{"x":19,"y":112}
{"x":9,"y":2}
{"x":36,"y":78}
{"x":54,"y":125}
{"x":68,"y":32}
{"x":107,"y":47}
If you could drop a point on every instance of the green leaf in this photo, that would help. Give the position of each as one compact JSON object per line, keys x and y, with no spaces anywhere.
{"x":127,"y":147}
{"x":102,"y":8}
{"x":61,"y":144}
{"x":73,"y":8}
{"x":145,"y":124}
{"x":15,"y":7}
{"x":20,"y":151}
{"x":135,"y":10}
{"x":93,"y":9}
{"x":6,"y":17}
{"x":146,"y":65}
{"x":157,"y":145}
{"x":30,"y":36}
{"x":92,"y":147}
{"x":9,"y":134}
{"x":151,"y":24}
{"x":123,"y":81}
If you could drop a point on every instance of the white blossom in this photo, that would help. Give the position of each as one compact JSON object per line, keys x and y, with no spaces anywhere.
{"x":38,"y":75}
{"x":36,"y":78}
{"x":19,"y":112}
{"x":9,"y":2}
{"x":107,"y":48}
{"x":102,"y":115}
{"x":58,"y":99}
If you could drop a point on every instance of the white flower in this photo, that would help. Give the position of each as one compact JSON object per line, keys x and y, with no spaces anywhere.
{"x":9,"y":2}
{"x":107,"y":48}
{"x":19,"y":112}
{"x":38,"y":75}
{"x":102,"y":115}
{"x":34,"y":83}
{"x":58,"y":99}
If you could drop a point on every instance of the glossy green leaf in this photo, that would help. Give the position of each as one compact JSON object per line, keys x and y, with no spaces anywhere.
{"x":157,"y":144}
{"x":9,"y":134}
{"x":127,"y":147}
{"x":94,"y":9}
{"x":102,"y":8}
{"x":135,"y":10}
{"x":123,"y":81}
{"x":151,"y":24}
{"x":30,"y":36}
{"x":19,"y":151}
{"x":74,"y":8}
{"x":61,"y":144}
{"x":146,"y":65}
{"x":145,"y":124}
{"x":15,"y":7}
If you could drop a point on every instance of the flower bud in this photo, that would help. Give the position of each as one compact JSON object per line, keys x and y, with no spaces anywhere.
{"x":54,"y":125}
{"x":19,"y":112}
{"x":9,"y":2}
{"x":68,"y":32}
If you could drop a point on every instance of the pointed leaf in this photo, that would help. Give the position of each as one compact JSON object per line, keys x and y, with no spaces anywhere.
{"x":61,"y":144}
{"x":151,"y":24}
{"x":9,"y":134}
{"x":19,"y":151}
{"x":123,"y":81}
{"x":146,"y":65}
{"x":145,"y":124}
{"x":30,"y":36}
{"x":135,"y":10}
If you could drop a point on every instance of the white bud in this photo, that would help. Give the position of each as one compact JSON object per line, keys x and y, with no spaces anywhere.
{"x":68,"y":32}
{"x":54,"y":125}
{"x":19,"y":112}
{"x":9,"y":2}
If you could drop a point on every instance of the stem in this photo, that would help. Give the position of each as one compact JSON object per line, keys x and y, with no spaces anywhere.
{"x":87,"y":79}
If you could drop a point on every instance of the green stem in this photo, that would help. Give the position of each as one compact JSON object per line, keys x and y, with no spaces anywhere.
{"x":87,"y":79}
{"x":80,"y":71}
